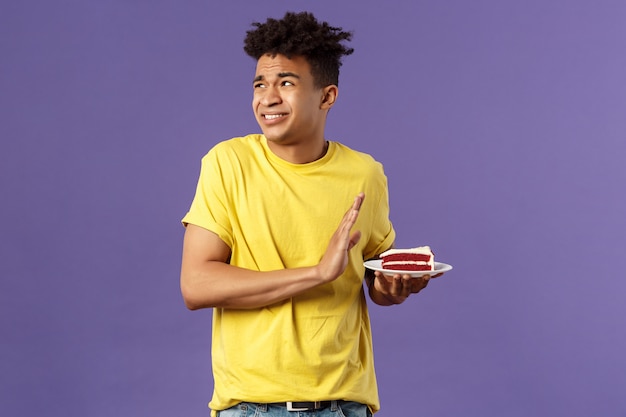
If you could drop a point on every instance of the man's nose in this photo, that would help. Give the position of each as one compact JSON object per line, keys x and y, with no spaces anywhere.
{"x":271,"y":96}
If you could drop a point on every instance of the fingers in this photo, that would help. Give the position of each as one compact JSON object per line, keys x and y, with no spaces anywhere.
{"x":335,"y":259}
{"x":348,"y":221}
{"x":406,"y":285}
{"x":401,"y":286}
{"x":358,"y":200}
{"x":419,"y":283}
{"x":353,"y":212}
{"x":356,"y":204}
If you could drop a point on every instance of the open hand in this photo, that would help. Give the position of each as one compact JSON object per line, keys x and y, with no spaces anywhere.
{"x":397,"y":288}
{"x":335,"y":259}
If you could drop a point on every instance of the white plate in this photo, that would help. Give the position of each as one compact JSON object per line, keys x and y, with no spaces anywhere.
{"x":376,"y":265}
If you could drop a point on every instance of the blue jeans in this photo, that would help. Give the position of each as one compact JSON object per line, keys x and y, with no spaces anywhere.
{"x":337,"y":409}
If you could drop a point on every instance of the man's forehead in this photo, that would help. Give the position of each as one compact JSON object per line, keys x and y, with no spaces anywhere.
{"x":274,"y":65}
{"x":283,"y":74}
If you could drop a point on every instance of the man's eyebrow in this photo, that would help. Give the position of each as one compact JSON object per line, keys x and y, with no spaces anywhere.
{"x":288,"y":74}
{"x":280,"y":75}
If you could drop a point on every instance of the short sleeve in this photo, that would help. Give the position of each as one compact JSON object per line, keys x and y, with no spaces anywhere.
{"x":209,"y":208}
{"x":383,"y":234}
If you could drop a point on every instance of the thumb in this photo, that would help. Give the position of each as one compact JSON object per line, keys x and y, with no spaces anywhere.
{"x":354,"y":239}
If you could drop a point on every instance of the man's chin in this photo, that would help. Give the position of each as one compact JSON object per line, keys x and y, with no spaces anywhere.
{"x":274,"y":138}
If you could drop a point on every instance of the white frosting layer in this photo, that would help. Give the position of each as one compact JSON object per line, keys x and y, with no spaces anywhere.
{"x":424,"y":250}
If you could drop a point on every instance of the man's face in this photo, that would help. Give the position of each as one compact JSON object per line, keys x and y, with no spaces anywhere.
{"x":287,"y":105}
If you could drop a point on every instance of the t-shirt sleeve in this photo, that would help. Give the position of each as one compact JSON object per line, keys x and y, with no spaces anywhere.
{"x":383,"y":234}
{"x":209,"y":208}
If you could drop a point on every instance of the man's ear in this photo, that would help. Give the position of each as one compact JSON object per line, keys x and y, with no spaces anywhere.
{"x":329,"y":96}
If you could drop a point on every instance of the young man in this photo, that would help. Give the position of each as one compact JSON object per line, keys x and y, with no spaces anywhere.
{"x":270,"y":246}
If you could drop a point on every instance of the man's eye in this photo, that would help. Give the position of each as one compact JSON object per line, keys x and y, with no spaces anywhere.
{"x":288,"y":83}
{"x":259,"y":85}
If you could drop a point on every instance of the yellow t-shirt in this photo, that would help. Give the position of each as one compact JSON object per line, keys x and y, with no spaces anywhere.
{"x":274,"y":215}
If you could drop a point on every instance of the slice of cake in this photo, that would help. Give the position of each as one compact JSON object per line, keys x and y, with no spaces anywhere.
{"x":414,"y":259}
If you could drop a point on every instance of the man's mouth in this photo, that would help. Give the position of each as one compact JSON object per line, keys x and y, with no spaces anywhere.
{"x":273,"y":116}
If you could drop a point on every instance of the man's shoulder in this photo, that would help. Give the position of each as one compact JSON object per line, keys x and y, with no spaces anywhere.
{"x":239,"y":145}
{"x":358,"y":156}
{"x":240,"y":142}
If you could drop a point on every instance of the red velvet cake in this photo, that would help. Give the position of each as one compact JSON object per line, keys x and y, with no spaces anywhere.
{"x":414,"y":259}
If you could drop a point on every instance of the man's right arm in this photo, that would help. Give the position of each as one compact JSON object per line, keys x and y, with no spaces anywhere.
{"x":208,"y":280}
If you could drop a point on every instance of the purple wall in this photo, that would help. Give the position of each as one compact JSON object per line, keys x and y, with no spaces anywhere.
{"x":502,"y":127}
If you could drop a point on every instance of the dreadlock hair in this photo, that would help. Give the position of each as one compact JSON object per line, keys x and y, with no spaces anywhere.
{"x":300,"y":34}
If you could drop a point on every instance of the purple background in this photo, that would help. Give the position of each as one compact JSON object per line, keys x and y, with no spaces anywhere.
{"x":502,"y":127}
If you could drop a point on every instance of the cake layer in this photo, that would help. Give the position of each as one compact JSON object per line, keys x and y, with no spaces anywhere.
{"x":414,"y":259}
{"x":403,"y":266}
{"x":423,"y":257}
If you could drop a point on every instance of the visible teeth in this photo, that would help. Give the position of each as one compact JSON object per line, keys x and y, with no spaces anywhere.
{"x":273,"y":116}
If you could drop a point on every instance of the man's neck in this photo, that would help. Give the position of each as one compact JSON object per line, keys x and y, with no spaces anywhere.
{"x":300,"y":154}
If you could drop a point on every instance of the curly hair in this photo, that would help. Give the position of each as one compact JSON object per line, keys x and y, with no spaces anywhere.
{"x":300,"y":34}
